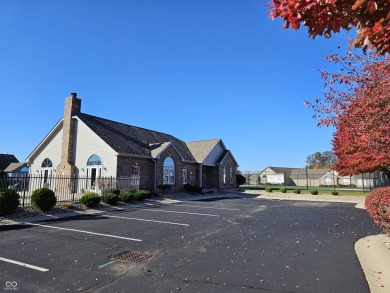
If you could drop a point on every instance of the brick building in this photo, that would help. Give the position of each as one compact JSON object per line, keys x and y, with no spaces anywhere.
{"x":85,"y":145}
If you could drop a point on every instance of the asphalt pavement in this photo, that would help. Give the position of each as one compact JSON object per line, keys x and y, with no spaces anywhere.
{"x":225,"y":245}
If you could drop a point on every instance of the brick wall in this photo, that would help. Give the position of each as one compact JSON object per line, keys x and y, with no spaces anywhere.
{"x":146,"y":170}
{"x":179,"y":165}
{"x":228,"y":163}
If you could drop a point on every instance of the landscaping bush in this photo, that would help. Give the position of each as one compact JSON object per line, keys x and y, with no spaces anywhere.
{"x":9,"y":201}
{"x":283,"y":190}
{"x":90,"y":199}
{"x":126,"y":196}
{"x":240,"y":180}
{"x":188,"y":188}
{"x":145,"y":193}
{"x":378,"y":207}
{"x":116,"y":191}
{"x":197,"y":189}
{"x":314,"y":192}
{"x":268,"y":189}
{"x":334,"y":193}
{"x":297,"y":191}
{"x":43,"y":198}
{"x":110,"y":198}
{"x":139,"y":196}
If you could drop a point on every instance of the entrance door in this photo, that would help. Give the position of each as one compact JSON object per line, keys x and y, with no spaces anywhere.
{"x":93,"y":176}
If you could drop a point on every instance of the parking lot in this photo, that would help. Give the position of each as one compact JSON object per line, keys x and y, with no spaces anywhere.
{"x":224,"y":245}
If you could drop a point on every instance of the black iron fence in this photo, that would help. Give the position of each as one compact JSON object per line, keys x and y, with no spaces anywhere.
{"x":66,"y":188}
{"x":309,"y":178}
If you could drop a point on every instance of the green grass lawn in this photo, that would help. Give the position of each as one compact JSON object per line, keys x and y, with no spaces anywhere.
{"x":321,"y":190}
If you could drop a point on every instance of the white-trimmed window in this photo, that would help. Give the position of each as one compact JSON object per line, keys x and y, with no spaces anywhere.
{"x":184,"y":176}
{"x":169,"y":171}
{"x":46,"y":171}
{"x":231,"y":174}
{"x":94,"y":169}
{"x":224,"y":175}
{"x":135,"y":174}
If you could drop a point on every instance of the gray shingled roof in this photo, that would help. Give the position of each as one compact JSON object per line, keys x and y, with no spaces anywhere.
{"x":201,"y":148}
{"x":13,"y":166}
{"x":132,"y":140}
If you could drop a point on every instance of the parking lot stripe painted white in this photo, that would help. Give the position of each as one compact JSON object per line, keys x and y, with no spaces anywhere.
{"x":197,"y":214}
{"x":146,"y":220}
{"x":184,"y":205}
{"x":87,"y":232}
{"x":24,"y":264}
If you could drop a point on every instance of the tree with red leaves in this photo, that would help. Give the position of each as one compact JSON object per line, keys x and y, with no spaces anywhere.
{"x":371,"y":18}
{"x":362,"y":139}
{"x":357,"y":102}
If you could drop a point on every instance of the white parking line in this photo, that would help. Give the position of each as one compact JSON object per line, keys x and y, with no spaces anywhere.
{"x":81,"y":231}
{"x":145,"y":220}
{"x":24,"y":264}
{"x":184,"y":205}
{"x":197,"y":214}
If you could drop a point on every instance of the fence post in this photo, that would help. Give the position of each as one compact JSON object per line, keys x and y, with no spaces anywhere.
{"x":307,"y":180}
{"x":24,"y":188}
{"x":73,"y":186}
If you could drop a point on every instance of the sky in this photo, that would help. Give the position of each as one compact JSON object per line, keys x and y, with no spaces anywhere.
{"x":197,"y":70}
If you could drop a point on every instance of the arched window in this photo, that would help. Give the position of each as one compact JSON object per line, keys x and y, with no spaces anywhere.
{"x":169,"y":171}
{"x":94,"y":169}
{"x":94,"y":160}
{"x":47,"y":163}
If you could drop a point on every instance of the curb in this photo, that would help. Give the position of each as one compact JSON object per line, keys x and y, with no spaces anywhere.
{"x":374,"y":258}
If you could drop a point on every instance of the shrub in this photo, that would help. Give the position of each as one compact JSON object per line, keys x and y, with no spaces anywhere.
{"x":240,"y":180}
{"x":268,"y":189}
{"x":139,"y":196}
{"x":126,"y":196}
{"x":334,"y":193}
{"x":146,"y":193}
{"x":378,"y":207}
{"x":297,"y":191}
{"x":116,"y":191}
{"x":283,"y":190}
{"x":188,"y":188}
{"x":110,"y":198}
{"x":314,"y":192}
{"x":90,"y":199}
{"x":43,"y":198}
{"x":197,"y":189}
{"x":9,"y":201}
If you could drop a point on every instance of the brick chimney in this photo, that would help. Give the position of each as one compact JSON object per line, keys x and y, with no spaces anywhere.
{"x":72,"y":108}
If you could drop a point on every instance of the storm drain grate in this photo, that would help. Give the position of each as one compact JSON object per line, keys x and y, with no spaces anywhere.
{"x":131,"y":256}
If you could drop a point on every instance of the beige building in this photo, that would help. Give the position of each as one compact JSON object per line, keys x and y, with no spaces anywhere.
{"x":84,"y":145}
